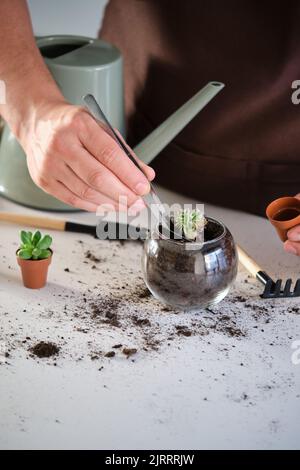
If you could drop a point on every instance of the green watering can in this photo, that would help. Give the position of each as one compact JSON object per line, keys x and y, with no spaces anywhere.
{"x":82,"y":65}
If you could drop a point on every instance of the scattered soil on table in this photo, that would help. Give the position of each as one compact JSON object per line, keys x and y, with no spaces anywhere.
{"x":114,"y":315}
{"x":92,"y":257}
{"x":232,"y":331}
{"x":110,"y":354}
{"x":105,"y":310}
{"x":146,"y":322}
{"x":44,"y":349}
{"x":183,"y":330}
{"x":111,"y":316}
{"x":295,"y":310}
{"x":239,"y":298}
{"x":143,"y":292}
{"x":140,"y":321}
{"x":112,"y":319}
{"x":129,"y":351}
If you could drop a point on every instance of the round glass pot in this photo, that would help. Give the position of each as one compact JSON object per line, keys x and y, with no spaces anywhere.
{"x":190,"y":275}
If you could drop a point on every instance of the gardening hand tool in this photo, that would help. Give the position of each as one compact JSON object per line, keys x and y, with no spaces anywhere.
{"x":272,"y":288}
{"x":151,"y":199}
{"x":67,"y":226}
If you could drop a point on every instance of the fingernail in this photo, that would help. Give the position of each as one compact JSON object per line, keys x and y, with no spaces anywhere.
{"x":294,"y":236}
{"x":142,"y":188}
{"x":152,"y":176}
{"x":290,"y":249}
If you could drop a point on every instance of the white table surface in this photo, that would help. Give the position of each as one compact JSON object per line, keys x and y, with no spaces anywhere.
{"x":203,"y":391}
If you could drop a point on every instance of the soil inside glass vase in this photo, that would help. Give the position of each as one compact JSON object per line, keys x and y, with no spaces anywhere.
{"x":187,"y":278}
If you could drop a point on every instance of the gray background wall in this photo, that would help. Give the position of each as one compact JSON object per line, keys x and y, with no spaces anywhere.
{"x":66,"y":16}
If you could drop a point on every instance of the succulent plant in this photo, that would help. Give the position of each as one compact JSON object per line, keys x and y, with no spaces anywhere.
{"x":191,"y":222}
{"x":34,"y":246}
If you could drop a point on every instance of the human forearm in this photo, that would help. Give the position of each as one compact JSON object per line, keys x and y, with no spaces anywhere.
{"x":68,"y":154}
{"x":28,"y":82}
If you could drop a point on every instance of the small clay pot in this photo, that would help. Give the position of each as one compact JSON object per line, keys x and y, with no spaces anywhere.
{"x":34,"y":272}
{"x":284,"y":214}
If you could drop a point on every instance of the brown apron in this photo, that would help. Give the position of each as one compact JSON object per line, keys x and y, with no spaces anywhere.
{"x":243,"y":150}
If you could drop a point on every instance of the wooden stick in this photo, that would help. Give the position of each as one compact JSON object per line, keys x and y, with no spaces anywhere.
{"x":248,"y":263}
{"x":33,"y":221}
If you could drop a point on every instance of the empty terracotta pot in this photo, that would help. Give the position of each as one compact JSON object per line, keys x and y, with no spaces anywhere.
{"x":34,"y":272}
{"x":284,"y":214}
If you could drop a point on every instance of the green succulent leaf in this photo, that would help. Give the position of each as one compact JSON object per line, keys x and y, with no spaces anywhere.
{"x":36,"y":237}
{"x":36,"y":253}
{"x":25,"y":253}
{"x":191,"y":222}
{"x":34,"y":246}
{"x":26,"y":237}
{"x":45,"y":254}
{"x":44,"y":243}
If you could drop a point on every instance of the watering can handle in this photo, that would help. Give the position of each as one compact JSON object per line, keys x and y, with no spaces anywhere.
{"x":154,"y":143}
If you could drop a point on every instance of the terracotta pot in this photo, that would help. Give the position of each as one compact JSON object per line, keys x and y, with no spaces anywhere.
{"x":284,"y":214}
{"x":34,"y":272}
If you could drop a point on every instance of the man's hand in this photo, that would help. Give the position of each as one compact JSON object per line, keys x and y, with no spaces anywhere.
{"x":292,"y":245}
{"x":70,"y":156}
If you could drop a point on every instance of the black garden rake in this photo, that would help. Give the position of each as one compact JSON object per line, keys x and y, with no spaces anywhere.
{"x":273,"y":289}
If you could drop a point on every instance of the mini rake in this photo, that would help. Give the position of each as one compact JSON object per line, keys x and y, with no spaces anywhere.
{"x":273,"y":289}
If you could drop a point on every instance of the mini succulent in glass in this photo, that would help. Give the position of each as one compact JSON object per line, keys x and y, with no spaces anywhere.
{"x":186,"y":274}
{"x":191,"y":222}
{"x":34,"y":246}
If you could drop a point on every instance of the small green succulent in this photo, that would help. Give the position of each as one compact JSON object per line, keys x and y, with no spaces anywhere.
{"x":191,"y":222}
{"x":34,"y":246}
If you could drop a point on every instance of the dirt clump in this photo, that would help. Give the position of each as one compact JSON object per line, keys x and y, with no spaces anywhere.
{"x":110,"y":354}
{"x":112,"y":319}
{"x":44,"y":349}
{"x":105,"y":310}
{"x":95,"y":259}
{"x":140,"y":321}
{"x":129,"y":351}
{"x":233,"y":331}
{"x":143,"y":293}
{"x":183,"y":330}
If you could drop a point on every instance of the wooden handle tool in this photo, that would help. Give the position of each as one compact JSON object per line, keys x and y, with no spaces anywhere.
{"x":67,"y":226}
{"x":249,"y":264}
{"x":33,"y":221}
